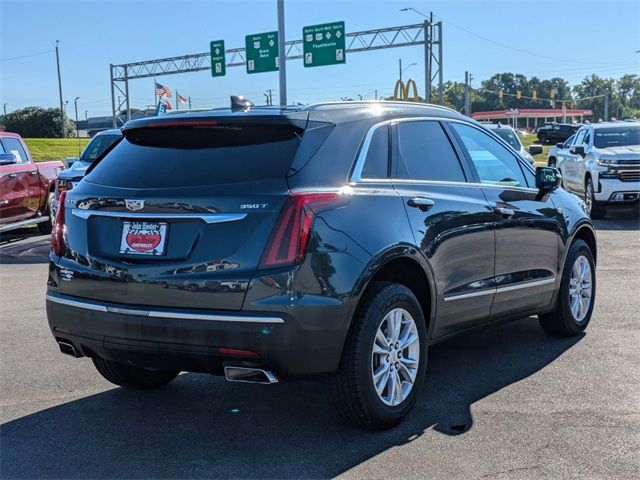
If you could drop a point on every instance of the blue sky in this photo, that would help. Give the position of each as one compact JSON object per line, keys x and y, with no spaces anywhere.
{"x":570,"y":39}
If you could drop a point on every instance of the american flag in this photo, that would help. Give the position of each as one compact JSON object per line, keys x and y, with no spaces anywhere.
{"x":162,"y":90}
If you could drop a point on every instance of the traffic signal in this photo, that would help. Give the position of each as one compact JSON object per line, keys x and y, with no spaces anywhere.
{"x":518,"y":94}
{"x":500,"y":94}
{"x":534,"y":94}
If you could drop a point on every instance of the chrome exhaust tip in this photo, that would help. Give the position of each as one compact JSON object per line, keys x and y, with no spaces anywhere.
{"x":68,"y":348}
{"x":249,"y":375}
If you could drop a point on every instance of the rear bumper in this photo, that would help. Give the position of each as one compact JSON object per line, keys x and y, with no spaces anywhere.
{"x":195,"y":340}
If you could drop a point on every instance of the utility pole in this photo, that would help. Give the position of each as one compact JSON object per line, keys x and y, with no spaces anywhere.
{"x":189,"y":103}
{"x":466,"y":93}
{"x":606,"y":106}
{"x":4,"y":107}
{"x":75,"y":102}
{"x":440,"y":73}
{"x":60,"y":89}
{"x":282,"y":60}
{"x":86,"y":117}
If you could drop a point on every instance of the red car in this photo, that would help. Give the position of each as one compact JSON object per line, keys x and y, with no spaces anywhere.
{"x":26,"y":188}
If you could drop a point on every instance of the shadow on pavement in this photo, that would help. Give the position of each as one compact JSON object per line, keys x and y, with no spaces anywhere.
{"x":627,"y":219}
{"x":24,"y":245}
{"x":201,"y":426}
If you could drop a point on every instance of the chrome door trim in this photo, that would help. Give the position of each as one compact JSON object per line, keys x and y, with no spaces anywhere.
{"x":98,"y":307}
{"x":507,"y":288}
{"x":205,"y":217}
{"x":518,"y":286}
{"x":479,"y":293}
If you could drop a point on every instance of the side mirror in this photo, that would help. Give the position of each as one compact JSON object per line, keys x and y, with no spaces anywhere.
{"x":70,"y":161}
{"x":578,"y":150}
{"x":548,"y":178}
{"x":535,"y":149}
{"x":559,"y":144}
{"x":8,"y":159}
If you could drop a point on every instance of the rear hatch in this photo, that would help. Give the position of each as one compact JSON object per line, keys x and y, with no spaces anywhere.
{"x":179,"y":212}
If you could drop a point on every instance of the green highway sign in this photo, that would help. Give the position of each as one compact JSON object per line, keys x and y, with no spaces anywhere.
{"x":261,"y":52}
{"x":324,"y":44}
{"x":218,"y":60}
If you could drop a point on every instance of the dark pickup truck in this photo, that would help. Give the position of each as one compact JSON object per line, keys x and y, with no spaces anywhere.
{"x":556,"y":133}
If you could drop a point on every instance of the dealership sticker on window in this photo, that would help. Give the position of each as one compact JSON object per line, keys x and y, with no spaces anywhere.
{"x":143,"y":238}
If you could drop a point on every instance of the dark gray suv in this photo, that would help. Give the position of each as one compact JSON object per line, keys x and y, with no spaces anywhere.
{"x":336,"y":240}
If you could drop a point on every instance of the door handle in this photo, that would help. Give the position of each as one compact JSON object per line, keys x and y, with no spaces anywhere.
{"x":505,"y":212}
{"x":12,"y":175}
{"x":422,"y":203}
{"x":34,"y":172}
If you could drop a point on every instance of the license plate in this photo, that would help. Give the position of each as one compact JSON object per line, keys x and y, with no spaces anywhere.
{"x":143,"y":238}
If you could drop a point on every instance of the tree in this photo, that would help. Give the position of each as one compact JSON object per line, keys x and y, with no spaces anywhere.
{"x":590,"y":94}
{"x":37,"y":122}
{"x":628,"y":96}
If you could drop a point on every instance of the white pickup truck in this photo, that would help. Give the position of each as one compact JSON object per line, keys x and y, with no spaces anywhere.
{"x":602,"y":164}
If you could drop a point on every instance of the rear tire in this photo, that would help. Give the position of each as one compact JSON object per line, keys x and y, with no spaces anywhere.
{"x":373,"y":388}
{"x":570,"y":319}
{"x":129,"y":376}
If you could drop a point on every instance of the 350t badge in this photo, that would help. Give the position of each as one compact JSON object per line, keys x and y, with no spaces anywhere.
{"x":143,"y":238}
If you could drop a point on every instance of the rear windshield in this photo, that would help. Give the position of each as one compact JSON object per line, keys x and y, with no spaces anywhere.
{"x":509,"y":136}
{"x":97,"y":147}
{"x":198,"y":155}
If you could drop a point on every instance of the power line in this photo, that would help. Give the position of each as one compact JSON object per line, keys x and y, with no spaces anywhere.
{"x":515,"y":49}
{"x":25,"y":56}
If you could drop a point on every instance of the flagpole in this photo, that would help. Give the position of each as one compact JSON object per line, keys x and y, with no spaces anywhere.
{"x":189,"y":103}
{"x":155,"y":92}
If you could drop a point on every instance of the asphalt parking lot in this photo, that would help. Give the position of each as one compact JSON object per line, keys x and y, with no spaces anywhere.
{"x":507,"y":402}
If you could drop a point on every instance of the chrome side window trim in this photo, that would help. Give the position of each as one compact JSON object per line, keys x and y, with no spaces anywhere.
{"x":98,"y":307}
{"x":205,"y":217}
{"x":356,"y":176}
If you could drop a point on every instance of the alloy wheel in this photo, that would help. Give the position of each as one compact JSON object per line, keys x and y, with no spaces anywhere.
{"x":395,"y":357}
{"x":580,"y":288}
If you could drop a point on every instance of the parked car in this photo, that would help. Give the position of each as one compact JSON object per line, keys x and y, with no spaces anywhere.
{"x":602,"y":164}
{"x":352,"y":253}
{"x":556,"y":133}
{"x":76,"y":167}
{"x":509,"y":135}
{"x":552,"y":155}
{"x":26,"y":187}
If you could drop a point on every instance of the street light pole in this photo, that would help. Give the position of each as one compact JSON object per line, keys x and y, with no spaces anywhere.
{"x":282,"y":60}
{"x":5,"y":109}
{"x":75,"y":102}
{"x":60,"y":90}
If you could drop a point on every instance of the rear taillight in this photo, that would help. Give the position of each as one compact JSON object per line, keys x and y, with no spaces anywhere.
{"x":57,"y":233}
{"x":290,"y":236}
{"x":64,"y":185}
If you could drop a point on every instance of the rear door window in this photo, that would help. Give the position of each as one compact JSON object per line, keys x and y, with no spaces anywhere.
{"x":97,"y":147}
{"x":425,"y":153}
{"x":187,"y":156}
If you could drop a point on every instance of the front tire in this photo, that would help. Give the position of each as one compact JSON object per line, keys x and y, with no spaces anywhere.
{"x":576,"y":296}
{"x":45,"y":227}
{"x":594,"y":208}
{"x":129,"y":376}
{"x":384,"y":361}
